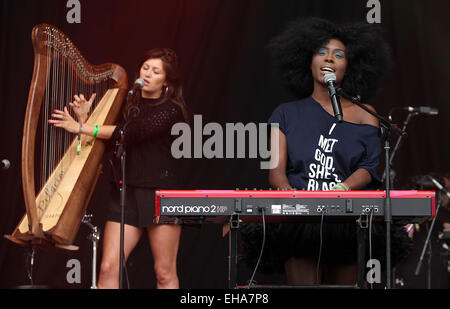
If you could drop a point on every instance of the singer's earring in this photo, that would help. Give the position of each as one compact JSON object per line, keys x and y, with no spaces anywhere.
{"x":166,"y":89}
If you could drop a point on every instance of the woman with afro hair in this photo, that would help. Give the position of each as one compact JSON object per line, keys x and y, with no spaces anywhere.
{"x":318,"y":153}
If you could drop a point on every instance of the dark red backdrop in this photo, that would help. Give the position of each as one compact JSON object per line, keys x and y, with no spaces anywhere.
{"x":228,"y":78}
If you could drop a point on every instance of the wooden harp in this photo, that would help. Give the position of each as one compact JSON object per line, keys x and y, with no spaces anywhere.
{"x":51,"y":165}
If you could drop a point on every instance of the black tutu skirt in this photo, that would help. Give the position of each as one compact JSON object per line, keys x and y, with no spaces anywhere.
{"x":300,"y":240}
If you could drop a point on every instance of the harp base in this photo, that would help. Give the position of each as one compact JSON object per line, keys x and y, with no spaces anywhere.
{"x":46,"y":244}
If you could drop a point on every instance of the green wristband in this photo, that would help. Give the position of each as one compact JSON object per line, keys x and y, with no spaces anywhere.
{"x":341,"y":186}
{"x":95,"y":131}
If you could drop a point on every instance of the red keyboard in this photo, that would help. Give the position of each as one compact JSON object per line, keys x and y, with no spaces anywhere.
{"x":410,"y":205}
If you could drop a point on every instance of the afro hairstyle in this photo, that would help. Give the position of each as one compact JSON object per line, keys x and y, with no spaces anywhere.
{"x":367,"y":53}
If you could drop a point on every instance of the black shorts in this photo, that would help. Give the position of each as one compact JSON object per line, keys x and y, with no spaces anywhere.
{"x":139,"y":210}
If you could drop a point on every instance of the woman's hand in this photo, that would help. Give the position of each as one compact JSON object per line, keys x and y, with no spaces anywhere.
{"x":81,"y":107}
{"x":64,"y":120}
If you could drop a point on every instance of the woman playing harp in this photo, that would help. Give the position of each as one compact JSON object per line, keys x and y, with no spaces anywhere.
{"x":149,"y":118}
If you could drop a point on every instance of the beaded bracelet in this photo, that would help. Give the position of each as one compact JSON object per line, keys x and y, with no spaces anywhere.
{"x":79,"y":139}
{"x":95,"y":131}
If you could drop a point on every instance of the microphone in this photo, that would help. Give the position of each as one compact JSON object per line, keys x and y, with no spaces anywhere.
{"x":138,"y":84}
{"x":446,"y":247}
{"x":439,"y":186}
{"x":5,"y":164}
{"x":422,"y":110}
{"x":330,"y":80}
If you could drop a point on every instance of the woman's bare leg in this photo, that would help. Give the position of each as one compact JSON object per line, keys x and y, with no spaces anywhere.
{"x":109,"y":269}
{"x":344,"y":275}
{"x":301,"y":271}
{"x":164,"y":242}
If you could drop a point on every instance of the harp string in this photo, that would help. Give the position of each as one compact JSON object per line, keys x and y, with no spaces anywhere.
{"x":67,"y":75}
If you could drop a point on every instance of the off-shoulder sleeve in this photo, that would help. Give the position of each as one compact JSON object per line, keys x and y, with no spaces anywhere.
{"x":371,"y":157}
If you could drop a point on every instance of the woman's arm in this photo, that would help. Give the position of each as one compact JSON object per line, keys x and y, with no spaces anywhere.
{"x":65,"y":121}
{"x":104,"y":132}
{"x":277,"y":175}
{"x":361,"y":177}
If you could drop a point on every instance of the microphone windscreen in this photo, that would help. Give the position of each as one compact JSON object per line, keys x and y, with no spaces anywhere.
{"x":329,"y":77}
{"x":5,"y":164}
{"x":429,"y":110}
{"x":140,"y":82}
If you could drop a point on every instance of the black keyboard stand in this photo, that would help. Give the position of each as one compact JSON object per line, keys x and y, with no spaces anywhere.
{"x":233,"y":251}
{"x":361,"y":238}
{"x":362,"y":227}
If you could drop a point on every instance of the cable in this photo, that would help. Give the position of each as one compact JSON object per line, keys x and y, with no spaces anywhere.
{"x":31,"y":264}
{"x":320,"y":247}
{"x":370,"y":242}
{"x":262,"y":248}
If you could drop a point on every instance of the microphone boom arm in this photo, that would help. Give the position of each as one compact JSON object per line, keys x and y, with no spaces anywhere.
{"x":388,"y":125}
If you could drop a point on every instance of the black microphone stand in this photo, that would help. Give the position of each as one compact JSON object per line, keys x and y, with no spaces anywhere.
{"x":387,"y":128}
{"x":397,"y":145}
{"x":122,"y":154}
{"x":428,"y":245}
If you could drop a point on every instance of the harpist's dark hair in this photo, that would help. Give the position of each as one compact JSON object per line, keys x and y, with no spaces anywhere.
{"x":367,"y":54}
{"x":173,"y":92}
